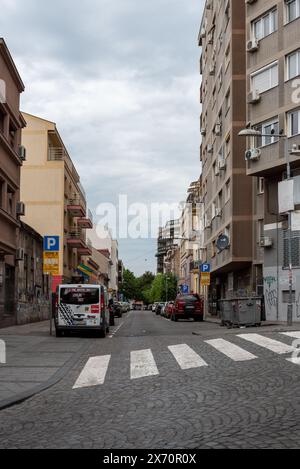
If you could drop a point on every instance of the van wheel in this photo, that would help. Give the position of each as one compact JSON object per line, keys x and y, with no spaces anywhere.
{"x":58,"y":333}
{"x":102,"y":334}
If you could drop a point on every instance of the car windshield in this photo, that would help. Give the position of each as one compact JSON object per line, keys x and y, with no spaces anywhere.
{"x":189,"y":298}
{"x":79,"y":296}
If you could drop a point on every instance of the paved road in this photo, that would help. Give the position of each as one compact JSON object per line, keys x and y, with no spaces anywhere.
{"x":154,"y":384}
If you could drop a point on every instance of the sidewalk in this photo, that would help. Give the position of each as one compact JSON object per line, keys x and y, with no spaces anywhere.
{"x":34,"y":361}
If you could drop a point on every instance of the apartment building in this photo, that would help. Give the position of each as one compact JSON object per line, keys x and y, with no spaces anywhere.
{"x":168,"y":248}
{"x":273,"y":108}
{"x":54,"y":198}
{"x":192,"y":238}
{"x":227,"y":191}
{"x":11,"y":156}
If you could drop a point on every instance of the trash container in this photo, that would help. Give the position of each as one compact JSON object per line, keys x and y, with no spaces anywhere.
{"x":226,"y":307}
{"x":247,"y":311}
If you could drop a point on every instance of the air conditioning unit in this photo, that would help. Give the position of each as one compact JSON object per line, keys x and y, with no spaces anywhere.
{"x":20,"y":209}
{"x":208,"y":224}
{"x":210,"y":38}
{"x":252,"y":45}
{"x":212,"y":69}
{"x":203,"y":131}
{"x":249,"y":2}
{"x":210,"y":148}
{"x":222,"y":163}
{"x":266,"y":242}
{"x":208,"y":4}
{"x":217,"y":170}
{"x":254,"y":97}
{"x":253,"y":154}
{"x":22,"y":153}
{"x":218,"y":212}
{"x":218,"y":129}
{"x":20,"y":254}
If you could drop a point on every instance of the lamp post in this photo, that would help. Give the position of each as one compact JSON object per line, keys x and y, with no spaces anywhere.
{"x":294,"y":151}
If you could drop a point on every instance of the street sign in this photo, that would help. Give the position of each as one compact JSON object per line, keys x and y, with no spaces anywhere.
{"x":51,"y":263}
{"x":205,"y":268}
{"x":51,"y":243}
{"x":205,"y":279}
{"x":223,"y":242}
{"x":185,"y":289}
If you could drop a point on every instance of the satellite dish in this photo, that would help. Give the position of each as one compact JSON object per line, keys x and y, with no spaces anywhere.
{"x":223,"y":242}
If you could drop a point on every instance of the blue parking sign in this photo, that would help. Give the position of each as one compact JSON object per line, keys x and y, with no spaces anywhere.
{"x":205,"y":268}
{"x":51,"y":243}
{"x":184,"y":289}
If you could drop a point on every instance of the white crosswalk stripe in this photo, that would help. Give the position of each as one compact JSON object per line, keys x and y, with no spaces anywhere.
{"x":142,"y":364}
{"x":93,"y":373}
{"x":294,"y":334}
{"x":232,"y":351}
{"x":186,"y":357}
{"x":273,"y":345}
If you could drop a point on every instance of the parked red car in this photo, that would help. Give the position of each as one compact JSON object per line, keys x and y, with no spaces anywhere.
{"x":188,"y":306}
{"x":169,"y":309}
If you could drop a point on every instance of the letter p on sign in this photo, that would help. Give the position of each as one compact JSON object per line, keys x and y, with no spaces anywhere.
{"x":51,"y":243}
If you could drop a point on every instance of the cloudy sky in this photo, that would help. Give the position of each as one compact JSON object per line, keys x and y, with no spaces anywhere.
{"x":121,"y":80}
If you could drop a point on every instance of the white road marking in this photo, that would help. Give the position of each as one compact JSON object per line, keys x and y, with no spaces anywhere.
{"x":270,"y":344}
{"x":231,"y":350}
{"x":186,"y":357}
{"x":142,"y":364}
{"x":295,"y":360}
{"x":116,"y":330}
{"x":94,"y":372}
{"x":294,"y":334}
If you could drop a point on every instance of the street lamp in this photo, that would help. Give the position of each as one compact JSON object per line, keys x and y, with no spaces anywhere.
{"x":294,"y":151}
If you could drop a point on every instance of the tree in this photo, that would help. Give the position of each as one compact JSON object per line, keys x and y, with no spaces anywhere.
{"x":129,"y":285}
{"x":164,"y":288}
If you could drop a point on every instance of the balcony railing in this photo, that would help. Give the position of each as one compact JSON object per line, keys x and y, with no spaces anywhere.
{"x":57,"y":154}
{"x":76,"y":233}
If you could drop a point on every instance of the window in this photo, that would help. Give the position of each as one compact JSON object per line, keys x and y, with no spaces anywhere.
{"x":227,"y":191}
{"x":293,"y":65}
{"x":265,"y":78}
{"x":227,"y":232}
{"x":294,"y":123}
{"x":295,"y":249}
{"x":227,"y":57}
{"x":265,"y":25}
{"x":10,"y":202}
{"x":268,"y":129}
{"x":260,"y":230}
{"x":292,"y":10}
{"x":260,"y":185}
{"x":227,"y":102}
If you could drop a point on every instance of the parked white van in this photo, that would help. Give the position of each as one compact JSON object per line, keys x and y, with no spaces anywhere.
{"x":82,"y":308}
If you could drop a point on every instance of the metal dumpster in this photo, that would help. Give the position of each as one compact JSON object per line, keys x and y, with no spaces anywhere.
{"x":247,"y":311}
{"x":226,"y":308}
{"x":242,"y":311}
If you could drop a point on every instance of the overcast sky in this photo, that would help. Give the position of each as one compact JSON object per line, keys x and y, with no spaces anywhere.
{"x":121,"y":80}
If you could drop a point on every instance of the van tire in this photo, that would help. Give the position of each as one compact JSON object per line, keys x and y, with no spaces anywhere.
{"x":58,"y":333}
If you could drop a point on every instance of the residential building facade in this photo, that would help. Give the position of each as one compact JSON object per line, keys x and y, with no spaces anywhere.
{"x":273,"y":108}
{"x":33,"y":287}
{"x":227,"y":191}
{"x":54,"y":197}
{"x":11,"y":155}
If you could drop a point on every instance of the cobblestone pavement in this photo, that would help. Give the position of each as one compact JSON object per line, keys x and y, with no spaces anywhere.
{"x":225,"y":403}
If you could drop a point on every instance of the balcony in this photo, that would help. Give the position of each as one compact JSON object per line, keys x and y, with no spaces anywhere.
{"x":76,"y":208}
{"x":86,"y":222}
{"x":75,"y":239}
{"x":86,"y":250}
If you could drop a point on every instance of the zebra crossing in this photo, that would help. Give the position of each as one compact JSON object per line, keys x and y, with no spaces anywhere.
{"x":142,"y":362}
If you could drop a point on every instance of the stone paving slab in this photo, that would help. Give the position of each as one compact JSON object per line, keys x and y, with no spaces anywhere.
{"x":34,"y":360}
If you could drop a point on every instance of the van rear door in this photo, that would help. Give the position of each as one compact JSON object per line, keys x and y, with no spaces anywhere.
{"x":79,"y":306}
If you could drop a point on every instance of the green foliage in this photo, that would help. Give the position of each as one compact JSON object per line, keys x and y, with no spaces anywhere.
{"x":137,"y":288}
{"x":164,"y":288}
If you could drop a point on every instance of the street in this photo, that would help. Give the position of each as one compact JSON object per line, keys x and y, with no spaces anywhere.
{"x":153,"y":383}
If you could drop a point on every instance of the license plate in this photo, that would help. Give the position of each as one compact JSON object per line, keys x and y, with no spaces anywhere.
{"x":190,"y":307}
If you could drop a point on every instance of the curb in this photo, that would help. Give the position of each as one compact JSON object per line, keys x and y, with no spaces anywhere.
{"x":21,"y":397}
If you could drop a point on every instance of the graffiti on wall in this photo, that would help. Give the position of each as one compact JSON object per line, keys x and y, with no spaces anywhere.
{"x":271,"y":295}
